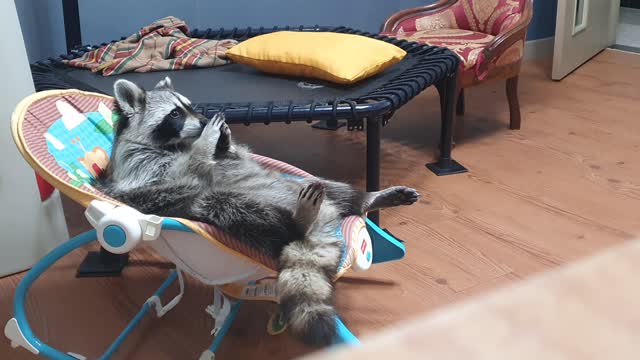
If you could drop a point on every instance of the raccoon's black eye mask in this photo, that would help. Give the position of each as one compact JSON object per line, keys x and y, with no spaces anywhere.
{"x":171,"y":126}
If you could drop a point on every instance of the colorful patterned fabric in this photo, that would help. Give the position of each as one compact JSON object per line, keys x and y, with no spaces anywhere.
{"x":466,"y":44}
{"x":484,"y":16}
{"x":67,"y":137}
{"x":162,"y":45}
{"x":466,"y":28}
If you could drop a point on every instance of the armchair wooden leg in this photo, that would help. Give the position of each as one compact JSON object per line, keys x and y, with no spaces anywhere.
{"x":514,"y":104}
{"x":460,"y":103}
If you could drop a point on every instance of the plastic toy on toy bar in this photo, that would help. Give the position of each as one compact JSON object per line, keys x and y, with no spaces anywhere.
{"x":66,"y":136}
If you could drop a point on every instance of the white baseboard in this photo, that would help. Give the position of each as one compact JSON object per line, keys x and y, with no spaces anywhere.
{"x":539,"y":49}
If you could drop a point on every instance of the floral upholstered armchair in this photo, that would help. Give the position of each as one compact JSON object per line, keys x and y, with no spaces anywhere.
{"x":488,"y":35}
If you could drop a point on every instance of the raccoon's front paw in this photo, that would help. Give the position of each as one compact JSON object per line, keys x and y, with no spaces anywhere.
{"x":215,"y":137}
{"x":205,"y":146}
{"x":211,"y":132}
{"x":224,"y":140}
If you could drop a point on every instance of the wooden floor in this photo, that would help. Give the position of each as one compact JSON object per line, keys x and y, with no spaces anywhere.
{"x":563,"y":187}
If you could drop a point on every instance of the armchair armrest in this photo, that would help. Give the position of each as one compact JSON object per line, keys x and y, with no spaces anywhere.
{"x":395,"y":19}
{"x":505,"y":40}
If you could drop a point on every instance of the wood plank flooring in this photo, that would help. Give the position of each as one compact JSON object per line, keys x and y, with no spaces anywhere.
{"x":563,"y":187}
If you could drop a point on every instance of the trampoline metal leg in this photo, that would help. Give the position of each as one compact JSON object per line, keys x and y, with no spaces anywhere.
{"x":102,"y":264}
{"x":446,"y":165}
{"x":374,"y":127}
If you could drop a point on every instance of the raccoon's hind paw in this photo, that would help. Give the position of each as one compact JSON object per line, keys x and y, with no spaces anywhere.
{"x":402,"y":195}
{"x":309,"y":201}
{"x":391,"y":197}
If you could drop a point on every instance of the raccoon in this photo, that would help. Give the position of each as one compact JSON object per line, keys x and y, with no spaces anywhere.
{"x":171,"y":161}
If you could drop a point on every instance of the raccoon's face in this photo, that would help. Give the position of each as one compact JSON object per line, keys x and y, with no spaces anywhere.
{"x":160,"y":116}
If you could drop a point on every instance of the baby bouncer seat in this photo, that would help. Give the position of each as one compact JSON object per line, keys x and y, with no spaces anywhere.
{"x":66,"y":136}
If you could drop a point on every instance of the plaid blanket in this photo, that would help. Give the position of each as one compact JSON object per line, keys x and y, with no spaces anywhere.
{"x":163,"y":45}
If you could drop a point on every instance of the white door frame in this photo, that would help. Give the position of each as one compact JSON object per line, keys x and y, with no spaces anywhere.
{"x":613,"y":22}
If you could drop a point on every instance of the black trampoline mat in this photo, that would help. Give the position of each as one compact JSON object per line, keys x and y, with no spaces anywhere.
{"x":247,"y":95}
{"x":236,"y":83}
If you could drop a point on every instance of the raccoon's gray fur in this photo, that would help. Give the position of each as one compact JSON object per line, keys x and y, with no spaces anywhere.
{"x":170,"y":161}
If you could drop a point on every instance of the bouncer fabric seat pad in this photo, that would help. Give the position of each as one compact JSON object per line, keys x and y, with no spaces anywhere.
{"x":67,"y":136}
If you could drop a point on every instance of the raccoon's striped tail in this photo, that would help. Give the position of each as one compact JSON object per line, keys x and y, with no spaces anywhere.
{"x":306,"y":290}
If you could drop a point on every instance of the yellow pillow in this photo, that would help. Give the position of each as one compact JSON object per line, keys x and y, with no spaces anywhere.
{"x":339,"y":58}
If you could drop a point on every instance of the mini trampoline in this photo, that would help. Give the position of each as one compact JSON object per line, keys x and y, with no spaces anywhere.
{"x":248,"y":96}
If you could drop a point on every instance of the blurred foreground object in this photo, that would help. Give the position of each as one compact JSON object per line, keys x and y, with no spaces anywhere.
{"x":585,"y":310}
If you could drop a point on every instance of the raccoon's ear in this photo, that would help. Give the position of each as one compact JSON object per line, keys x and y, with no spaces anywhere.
{"x":165,"y":84}
{"x":130,"y":97}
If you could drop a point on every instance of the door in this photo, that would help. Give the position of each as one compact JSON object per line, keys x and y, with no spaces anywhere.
{"x":583,"y":29}
{"x":29,"y":227}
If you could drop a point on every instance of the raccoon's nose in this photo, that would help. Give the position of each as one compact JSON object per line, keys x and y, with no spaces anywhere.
{"x":203,"y":123}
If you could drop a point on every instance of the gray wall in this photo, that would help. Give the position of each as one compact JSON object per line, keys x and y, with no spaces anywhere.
{"x":101,"y":21}
{"x":42,"y":28}
{"x":363,"y":14}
